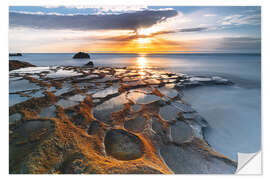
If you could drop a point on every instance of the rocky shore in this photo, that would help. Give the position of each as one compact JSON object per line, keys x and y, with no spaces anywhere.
{"x":15,"y":64}
{"x":104,"y":120}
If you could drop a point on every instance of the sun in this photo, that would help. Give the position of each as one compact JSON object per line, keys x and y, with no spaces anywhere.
{"x":148,"y":31}
{"x":143,"y":40}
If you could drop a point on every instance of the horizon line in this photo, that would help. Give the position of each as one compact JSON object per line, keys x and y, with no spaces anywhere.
{"x":145,"y":52}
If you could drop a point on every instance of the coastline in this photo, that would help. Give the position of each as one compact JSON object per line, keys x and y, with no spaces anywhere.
{"x":77,"y":111}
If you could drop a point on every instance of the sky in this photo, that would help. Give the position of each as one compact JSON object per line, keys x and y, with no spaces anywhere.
{"x":134,"y":29}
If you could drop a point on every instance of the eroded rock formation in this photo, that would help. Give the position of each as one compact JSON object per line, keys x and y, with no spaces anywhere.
{"x":108,"y":120}
{"x":15,"y":64}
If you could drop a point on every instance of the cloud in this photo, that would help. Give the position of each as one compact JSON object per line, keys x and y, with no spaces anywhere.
{"x":119,"y":9}
{"x":135,"y":35}
{"x":39,"y":13}
{"x":132,"y":20}
{"x":193,"y":29}
{"x":225,"y":44}
{"x":240,"y":19}
{"x":249,"y":44}
{"x":242,"y":44}
{"x":210,"y":15}
{"x":106,"y":8}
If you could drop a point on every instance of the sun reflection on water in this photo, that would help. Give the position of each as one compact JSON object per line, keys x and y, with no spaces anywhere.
{"x":141,"y":64}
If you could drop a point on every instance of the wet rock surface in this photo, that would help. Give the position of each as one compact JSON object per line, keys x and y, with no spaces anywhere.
{"x":181,"y":132}
{"x":107,"y":120}
{"x":14,"y":64}
{"x":123,"y":145}
{"x":193,"y":159}
{"x":137,"y":124}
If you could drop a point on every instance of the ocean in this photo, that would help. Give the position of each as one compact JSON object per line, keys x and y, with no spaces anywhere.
{"x":233,"y":112}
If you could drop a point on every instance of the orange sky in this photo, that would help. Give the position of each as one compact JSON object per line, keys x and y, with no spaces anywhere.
{"x":145,"y":40}
{"x":135,"y":45}
{"x":151,"y":29}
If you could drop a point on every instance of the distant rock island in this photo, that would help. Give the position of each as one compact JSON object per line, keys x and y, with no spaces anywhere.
{"x":81,"y":55}
{"x":14,"y":64}
{"x":15,"y":54}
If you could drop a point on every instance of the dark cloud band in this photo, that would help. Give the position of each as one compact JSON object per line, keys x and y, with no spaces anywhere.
{"x":134,"y":20}
{"x":193,"y":29}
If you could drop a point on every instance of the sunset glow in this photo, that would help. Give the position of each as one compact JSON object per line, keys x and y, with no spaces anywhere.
{"x":143,"y":40}
{"x":151,"y":29}
{"x":130,"y":89}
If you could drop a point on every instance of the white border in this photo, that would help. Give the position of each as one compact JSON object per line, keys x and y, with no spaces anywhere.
{"x":265,"y":75}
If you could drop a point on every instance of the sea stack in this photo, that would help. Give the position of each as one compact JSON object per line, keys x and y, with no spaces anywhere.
{"x":81,"y":55}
